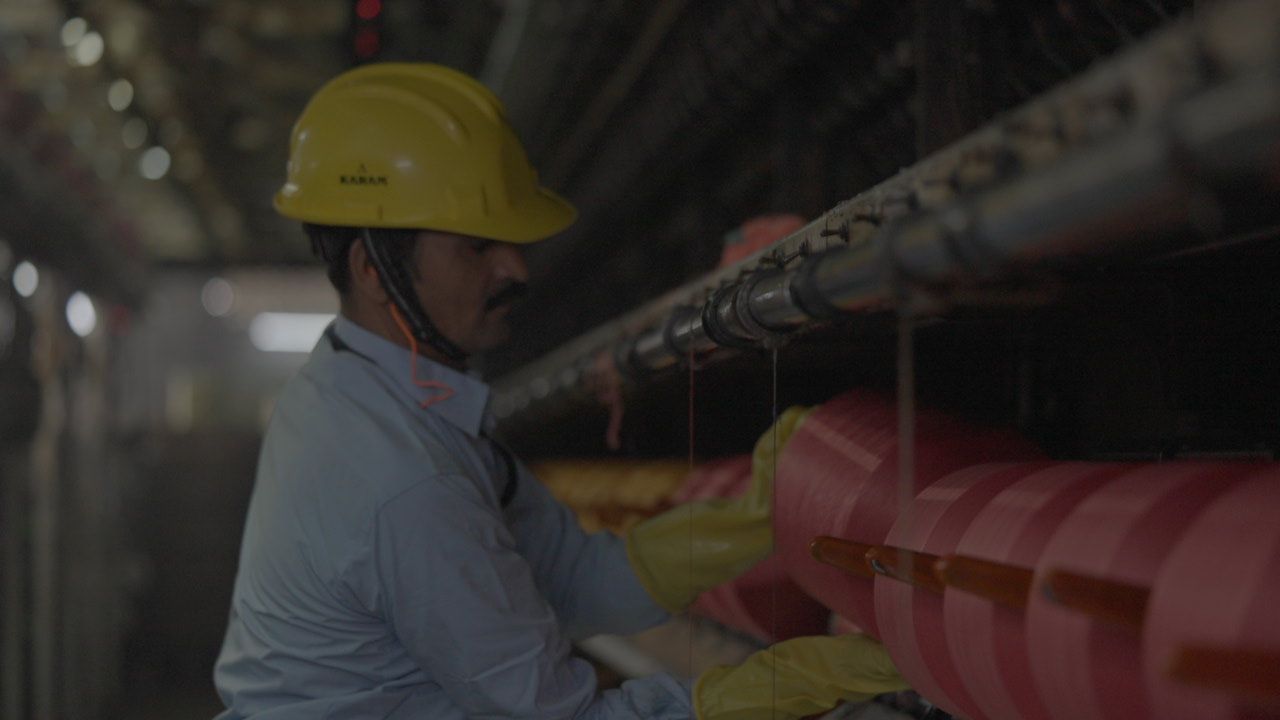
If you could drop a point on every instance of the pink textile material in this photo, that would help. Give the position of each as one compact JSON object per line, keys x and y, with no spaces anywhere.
{"x":843,"y":626}
{"x":764,"y":602}
{"x":1091,"y":669}
{"x":988,"y":640}
{"x":606,"y":384}
{"x":847,"y":452}
{"x":757,"y":234}
{"x":911,"y":619}
{"x":1219,"y":588}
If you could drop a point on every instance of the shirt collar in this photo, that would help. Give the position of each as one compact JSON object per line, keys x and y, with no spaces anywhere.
{"x":464,"y":409}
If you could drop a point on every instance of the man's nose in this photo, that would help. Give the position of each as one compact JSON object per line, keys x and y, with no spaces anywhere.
{"x":508,"y":262}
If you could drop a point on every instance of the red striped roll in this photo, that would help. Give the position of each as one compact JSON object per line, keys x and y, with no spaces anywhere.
{"x":766,"y":604}
{"x":988,"y":640}
{"x":1219,"y":588}
{"x":843,"y":626}
{"x":911,"y":619}
{"x":838,"y":476}
{"x":763,"y":602}
{"x":726,"y":477}
{"x":1088,"y":669}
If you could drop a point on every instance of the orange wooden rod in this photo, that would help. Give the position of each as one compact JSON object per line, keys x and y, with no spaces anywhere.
{"x":909,"y":566}
{"x":1006,"y":584}
{"x":1252,"y":673}
{"x":845,"y":554}
{"x":1107,"y":600}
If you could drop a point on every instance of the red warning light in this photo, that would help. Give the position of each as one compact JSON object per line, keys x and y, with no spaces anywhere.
{"x":368,"y":9}
{"x":367,"y":43}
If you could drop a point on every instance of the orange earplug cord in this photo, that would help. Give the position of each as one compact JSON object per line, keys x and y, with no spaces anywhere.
{"x":446,"y":391}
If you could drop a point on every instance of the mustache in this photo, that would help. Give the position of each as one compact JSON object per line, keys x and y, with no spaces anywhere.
{"x":510,"y":293}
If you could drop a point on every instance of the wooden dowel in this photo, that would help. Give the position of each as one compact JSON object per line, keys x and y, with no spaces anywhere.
{"x":1006,"y":584}
{"x":1251,"y":673}
{"x":1108,"y":600}
{"x":845,"y":554}
{"x":909,"y":566}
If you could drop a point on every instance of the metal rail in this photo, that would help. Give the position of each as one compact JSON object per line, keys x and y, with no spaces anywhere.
{"x":1116,"y":164}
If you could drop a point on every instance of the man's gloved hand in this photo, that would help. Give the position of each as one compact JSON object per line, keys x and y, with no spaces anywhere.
{"x":694,"y":547}
{"x":797,"y":678}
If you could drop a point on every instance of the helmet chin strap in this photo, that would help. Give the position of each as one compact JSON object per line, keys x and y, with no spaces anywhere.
{"x":398,"y":284}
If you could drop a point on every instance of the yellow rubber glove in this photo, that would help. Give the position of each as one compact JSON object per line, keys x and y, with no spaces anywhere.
{"x":694,"y":547}
{"x":796,"y":678}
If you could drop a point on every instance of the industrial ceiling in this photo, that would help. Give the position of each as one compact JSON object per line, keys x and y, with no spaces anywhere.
{"x":141,"y":134}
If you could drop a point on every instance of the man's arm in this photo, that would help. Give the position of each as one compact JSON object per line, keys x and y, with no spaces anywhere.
{"x":588,"y":579}
{"x":465,"y":604}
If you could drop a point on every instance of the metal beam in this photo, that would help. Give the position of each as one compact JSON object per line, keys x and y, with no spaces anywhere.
{"x":1108,"y":166}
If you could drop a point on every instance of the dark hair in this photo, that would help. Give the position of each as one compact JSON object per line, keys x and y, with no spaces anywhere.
{"x":332,"y":244}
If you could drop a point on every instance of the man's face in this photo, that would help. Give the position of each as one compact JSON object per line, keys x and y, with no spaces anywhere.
{"x":467,"y":286}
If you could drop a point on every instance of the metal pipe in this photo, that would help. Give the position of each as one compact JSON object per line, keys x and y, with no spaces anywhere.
{"x":683,"y":333}
{"x":1119,"y":199}
{"x":1129,"y":194}
{"x":845,"y":280}
{"x":769,"y":303}
{"x":650,"y":353}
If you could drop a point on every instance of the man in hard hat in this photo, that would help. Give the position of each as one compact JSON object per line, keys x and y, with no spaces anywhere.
{"x":396,"y":561}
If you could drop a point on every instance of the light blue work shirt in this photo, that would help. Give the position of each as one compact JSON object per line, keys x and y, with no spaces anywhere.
{"x":380,"y":576}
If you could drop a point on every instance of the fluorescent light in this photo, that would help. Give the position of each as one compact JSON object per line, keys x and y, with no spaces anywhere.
{"x":134,"y":133}
{"x":73,"y":31}
{"x":120,"y":95}
{"x":26,"y":279}
{"x":80,"y":314}
{"x":218,"y":297}
{"x":154,"y":163}
{"x":287,"y":332}
{"x":90,"y":48}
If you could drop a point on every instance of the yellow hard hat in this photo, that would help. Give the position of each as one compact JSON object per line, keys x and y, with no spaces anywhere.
{"x":415,"y":146}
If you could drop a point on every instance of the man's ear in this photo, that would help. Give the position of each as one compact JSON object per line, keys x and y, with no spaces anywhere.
{"x":364,"y":276}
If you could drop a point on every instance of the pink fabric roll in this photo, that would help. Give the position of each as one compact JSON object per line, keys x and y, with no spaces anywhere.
{"x":843,"y":626}
{"x":1085,"y":669}
{"x":911,"y":619}
{"x":988,"y":640}
{"x":838,"y":476}
{"x":1219,"y":588}
{"x":721,"y":478}
{"x":764,"y":602}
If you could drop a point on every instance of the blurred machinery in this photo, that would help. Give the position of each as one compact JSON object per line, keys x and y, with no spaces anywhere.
{"x":1086,"y":278}
{"x":1036,"y":304}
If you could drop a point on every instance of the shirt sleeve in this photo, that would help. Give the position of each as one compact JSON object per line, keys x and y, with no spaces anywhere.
{"x":467,"y":608}
{"x":588,"y":578}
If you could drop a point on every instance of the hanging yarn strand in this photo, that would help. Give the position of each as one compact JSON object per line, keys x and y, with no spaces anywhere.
{"x":773,"y":502}
{"x":906,"y":429}
{"x":689,"y":624}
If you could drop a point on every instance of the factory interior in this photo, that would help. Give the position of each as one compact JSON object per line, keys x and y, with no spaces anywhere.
{"x":1018,"y":261}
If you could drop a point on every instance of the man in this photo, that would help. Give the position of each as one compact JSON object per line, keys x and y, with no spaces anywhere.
{"x":397,"y":562}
